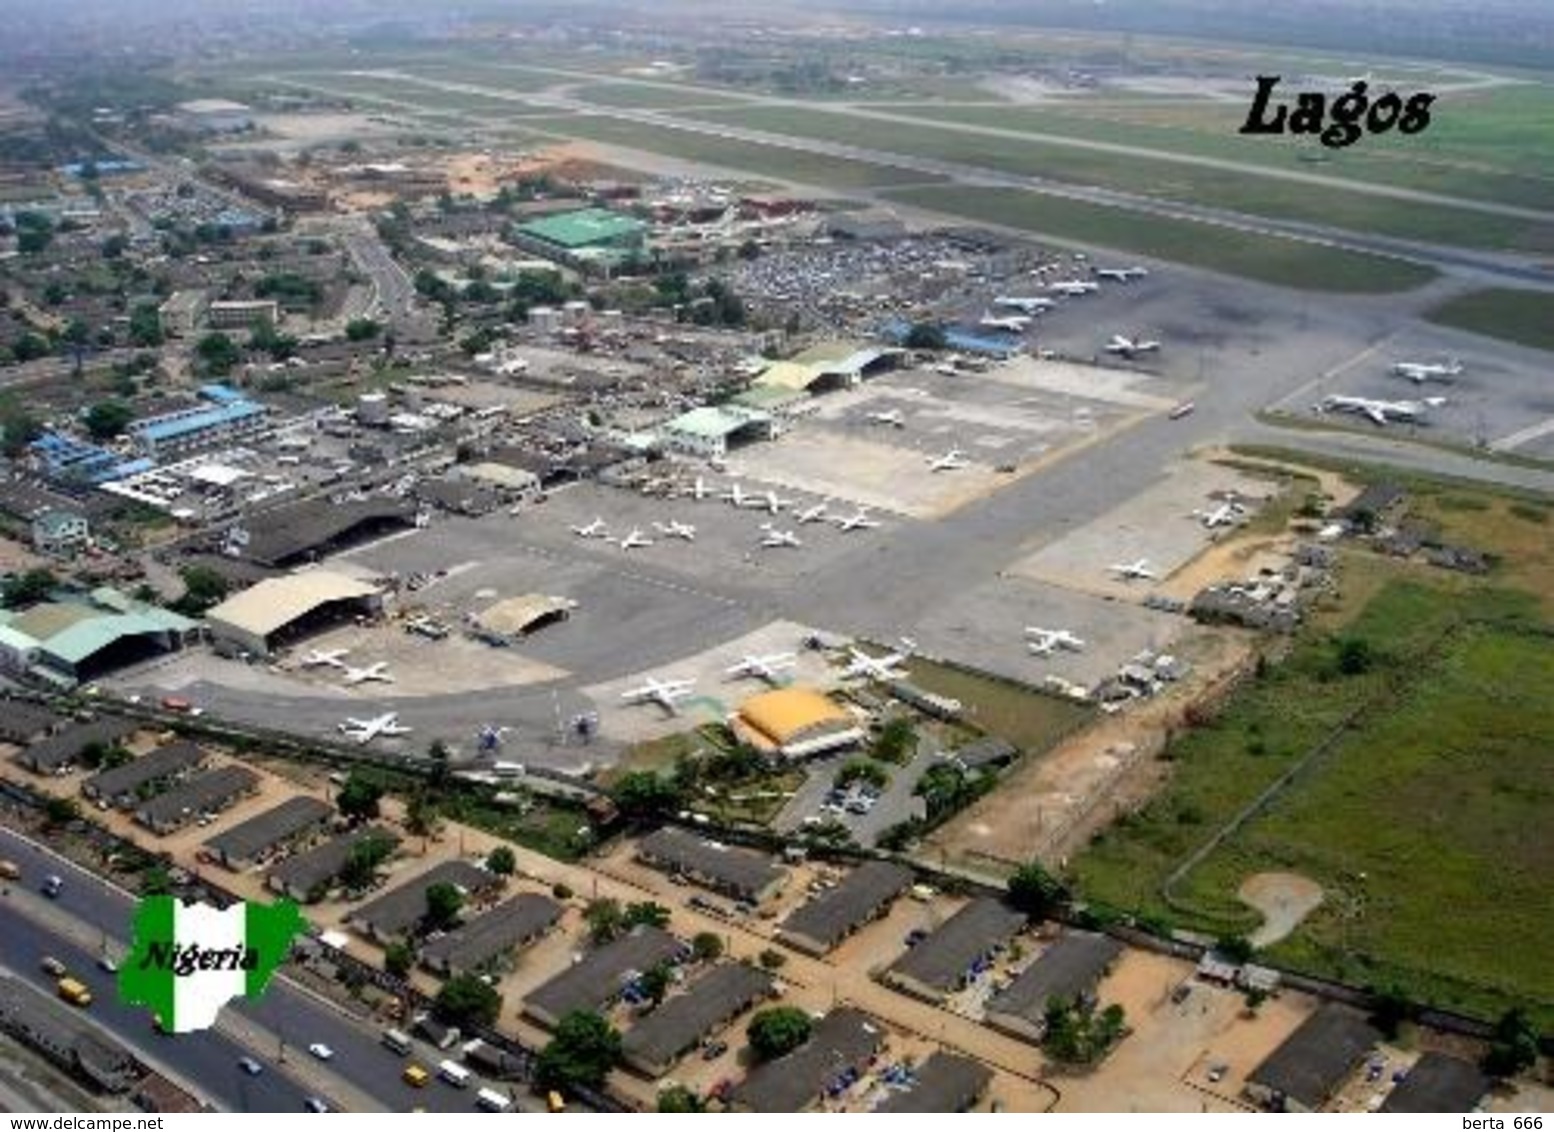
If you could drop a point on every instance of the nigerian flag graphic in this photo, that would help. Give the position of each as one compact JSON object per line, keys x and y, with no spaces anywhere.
{"x":189,"y":960}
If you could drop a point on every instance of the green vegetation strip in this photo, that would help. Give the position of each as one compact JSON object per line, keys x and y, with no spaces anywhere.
{"x":1267,"y":259}
{"x":1209,"y":130}
{"x":760,"y":160}
{"x":1161,"y":179}
{"x":1524,"y":317}
{"x":641,"y":96}
{"x":1430,"y":802}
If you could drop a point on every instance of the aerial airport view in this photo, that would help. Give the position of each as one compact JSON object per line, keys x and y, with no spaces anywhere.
{"x":838,"y":556}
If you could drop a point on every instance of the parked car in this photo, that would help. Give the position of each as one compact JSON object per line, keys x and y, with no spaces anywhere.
{"x":250,"y":1066}
{"x":321,"y":1051}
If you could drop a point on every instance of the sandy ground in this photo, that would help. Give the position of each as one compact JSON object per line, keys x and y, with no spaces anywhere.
{"x":1284,"y":899}
{"x":1049,"y":806}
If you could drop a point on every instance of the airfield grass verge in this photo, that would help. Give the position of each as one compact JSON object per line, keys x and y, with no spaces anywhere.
{"x":1032,"y":721}
{"x":1158,"y":177}
{"x":1523,"y":317}
{"x":1266,"y":259}
{"x":645,"y":96}
{"x":767,"y":161}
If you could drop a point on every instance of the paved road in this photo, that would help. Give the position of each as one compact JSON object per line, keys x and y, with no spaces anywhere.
{"x":286,"y":1011}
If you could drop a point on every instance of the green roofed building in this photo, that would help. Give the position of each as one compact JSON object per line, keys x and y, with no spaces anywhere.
{"x":712,"y":429}
{"x":73,"y":638}
{"x":590,"y":238}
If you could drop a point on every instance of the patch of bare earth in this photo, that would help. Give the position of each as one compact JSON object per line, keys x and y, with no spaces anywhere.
{"x":1283,"y":899}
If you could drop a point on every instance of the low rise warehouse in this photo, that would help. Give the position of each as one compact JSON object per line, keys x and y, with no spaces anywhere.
{"x":123,"y":786}
{"x":943,"y":1083}
{"x":795,"y":723}
{"x":742,"y":874}
{"x":600,"y":977}
{"x":1438,"y":1082}
{"x":844,"y":1042}
{"x":399,"y":910}
{"x":865,"y":895}
{"x":267,"y":616}
{"x":247,"y":844}
{"x":198,"y":797}
{"x":1314,"y":1062}
{"x":941,"y":963}
{"x":78,"y":637}
{"x":307,"y":877}
{"x":681,"y":1023}
{"x":62,"y":751}
{"x":487,"y":939}
{"x":1071,"y":968}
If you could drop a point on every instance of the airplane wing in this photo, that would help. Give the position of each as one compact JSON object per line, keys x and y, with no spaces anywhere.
{"x":1375,"y":414}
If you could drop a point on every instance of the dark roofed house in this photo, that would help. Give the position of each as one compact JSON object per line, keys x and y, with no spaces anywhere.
{"x":491,"y":935}
{"x":600,"y":977}
{"x":865,"y":895}
{"x":1069,"y":969}
{"x":844,"y":1041}
{"x":24,"y":722}
{"x":243,"y":845}
{"x":307,"y":877}
{"x":1438,"y":1083}
{"x":197,"y":797}
{"x":124,"y":785}
{"x":315,"y":528}
{"x":652,"y":1046}
{"x":943,"y":1083}
{"x":59,"y":753}
{"x":398,"y":910}
{"x":1313,"y":1062}
{"x":742,"y":874}
{"x":941,"y":963}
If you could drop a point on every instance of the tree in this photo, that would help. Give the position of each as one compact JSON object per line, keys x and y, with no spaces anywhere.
{"x":145,"y":326}
{"x":604,"y":919}
{"x":421,"y":817}
{"x":645,"y":912}
{"x":466,"y":1000}
{"x":1355,"y":656}
{"x":265,"y":337}
{"x":33,"y":241}
{"x":772,"y":959}
{"x":1035,"y":891}
{"x":926,"y":336}
{"x":654,"y":982}
{"x":218,"y":352}
{"x":156,"y":881}
{"x":583,"y":1051}
{"x":202,"y":589}
{"x":1235,"y":948}
{"x":944,"y":788}
{"x":706,"y":946}
{"x":358,"y":798}
{"x":27,"y":589}
{"x":1389,"y":1010}
{"x":444,"y":902}
{"x":677,"y":1098}
{"x":362,"y":330}
{"x":897,"y":740}
{"x":61,"y":811}
{"x":114,"y":246}
{"x":862,"y":770}
{"x":778,"y":1030}
{"x":398,"y":958}
{"x":360,"y":871}
{"x":439,"y":755}
{"x":30,"y":347}
{"x":502,"y":861}
{"x":642,"y":796}
{"x":1514,"y":1047}
{"x":1076,"y":1034}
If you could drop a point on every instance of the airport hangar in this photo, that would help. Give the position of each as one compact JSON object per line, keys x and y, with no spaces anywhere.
{"x":280,"y":611}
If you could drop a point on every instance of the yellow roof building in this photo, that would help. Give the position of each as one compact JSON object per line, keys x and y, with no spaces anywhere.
{"x":795,"y":722}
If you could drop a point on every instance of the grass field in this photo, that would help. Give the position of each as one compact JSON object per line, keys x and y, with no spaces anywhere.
{"x":1209,"y":130}
{"x":1162,"y":179}
{"x":1029,"y":720}
{"x":758,"y":160}
{"x":641,"y":96}
{"x":407,"y":91}
{"x":1524,"y":317}
{"x":1267,"y":259}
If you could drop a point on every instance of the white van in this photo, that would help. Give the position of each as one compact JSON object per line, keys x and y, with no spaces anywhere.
{"x":492,"y":1101}
{"x":454,"y":1073}
{"x":397,"y":1041}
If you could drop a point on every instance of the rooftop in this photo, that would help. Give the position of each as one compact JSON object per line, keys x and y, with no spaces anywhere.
{"x":844,"y":1038}
{"x":62,"y":749}
{"x":833,"y":915}
{"x":1438,"y":1083}
{"x":601,"y":975}
{"x":744,"y":872}
{"x":401,"y":908}
{"x":943,"y":1083}
{"x":489,"y":935}
{"x":942,"y":959}
{"x":287,"y":534}
{"x":164,"y":762}
{"x":277,"y":602}
{"x":322,"y":864}
{"x":275,"y":826}
{"x":214,"y":789}
{"x":582,"y":228}
{"x":714,"y":421}
{"x":1070,"y":967}
{"x":1315,"y":1059}
{"x":679,"y":1023}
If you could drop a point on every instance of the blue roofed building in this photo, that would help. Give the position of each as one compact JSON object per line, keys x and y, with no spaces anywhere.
{"x":225,"y":416}
{"x":77,"y":461}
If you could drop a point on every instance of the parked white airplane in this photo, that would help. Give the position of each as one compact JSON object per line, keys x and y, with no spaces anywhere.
{"x":1379,"y":412}
{"x":1022,"y":303}
{"x":596,"y":529}
{"x":1121,"y":274}
{"x":1421,"y":372}
{"x":766,"y":667}
{"x":366,"y":730}
{"x":951,"y":461}
{"x":635,"y":539}
{"x":1047,"y":640}
{"x":378,"y":672}
{"x":814,"y":514}
{"x":1073,"y":287}
{"x":322,"y":658}
{"x":698,"y":490}
{"x":1128,"y":347}
{"x":675,"y":529}
{"x":1014,"y":323}
{"x":768,"y":501}
{"x":890,"y":417}
{"x":665,"y":693}
{"x":1225,"y":515}
{"x":1131,"y":570}
{"x":775,"y":537}
{"x":736,"y":495}
{"x":859,"y":520}
{"x":879,"y":667}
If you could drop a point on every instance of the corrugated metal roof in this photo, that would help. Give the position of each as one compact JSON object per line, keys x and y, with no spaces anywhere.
{"x":716,"y":420}
{"x":276,"y":602}
{"x":579,"y":229}
{"x":83,"y":639}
